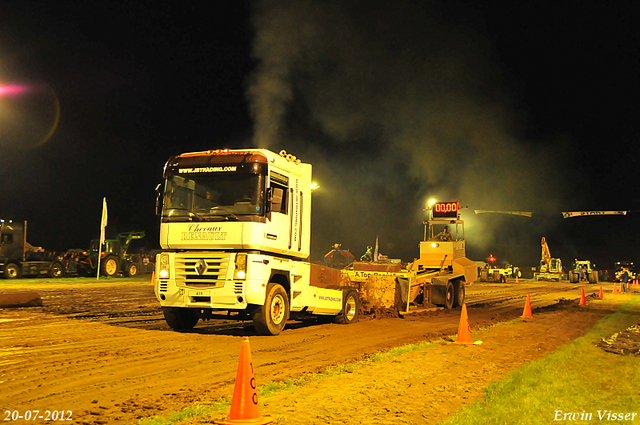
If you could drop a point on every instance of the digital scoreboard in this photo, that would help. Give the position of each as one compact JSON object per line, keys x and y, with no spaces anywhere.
{"x":445,"y":210}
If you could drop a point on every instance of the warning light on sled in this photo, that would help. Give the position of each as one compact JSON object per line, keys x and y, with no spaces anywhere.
{"x":491,"y":258}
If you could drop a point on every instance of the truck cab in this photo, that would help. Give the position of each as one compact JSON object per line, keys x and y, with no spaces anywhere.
{"x":14,"y":261}
{"x":235,"y":228}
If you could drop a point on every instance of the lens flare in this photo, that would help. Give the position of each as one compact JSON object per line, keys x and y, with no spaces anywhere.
{"x":29,"y":114}
{"x":12,"y":90}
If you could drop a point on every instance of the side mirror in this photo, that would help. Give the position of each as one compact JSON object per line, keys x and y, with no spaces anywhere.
{"x":275,"y":199}
{"x":159,"y":199}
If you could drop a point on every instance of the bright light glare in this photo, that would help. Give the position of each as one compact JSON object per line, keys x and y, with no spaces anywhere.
{"x":10,"y":90}
{"x":314,"y":186}
{"x":432,"y":201}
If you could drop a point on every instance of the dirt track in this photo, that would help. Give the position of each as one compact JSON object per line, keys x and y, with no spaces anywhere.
{"x":103,"y":351}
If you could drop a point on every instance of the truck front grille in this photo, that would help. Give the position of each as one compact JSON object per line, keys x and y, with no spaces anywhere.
{"x":199,"y":270}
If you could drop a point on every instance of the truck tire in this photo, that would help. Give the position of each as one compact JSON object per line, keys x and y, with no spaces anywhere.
{"x":56,"y":270}
{"x":180,"y":318}
{"x":11,"y":271}
{"x":496,"y":276}
{"x":350,"y":308}
{"x":132,"y":270}
{"x":271,"y":318}
{"x":593,"y":277}
{"x":459,"y":295}
{"x":109,"y":266}
{"x":574,"y":277}
{"x":484,"y":276}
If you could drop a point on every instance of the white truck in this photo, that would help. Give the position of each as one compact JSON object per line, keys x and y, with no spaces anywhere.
{"x":235,"y":232}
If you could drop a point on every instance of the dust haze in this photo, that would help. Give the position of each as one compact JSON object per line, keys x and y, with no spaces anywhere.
{"x":395,"y":103}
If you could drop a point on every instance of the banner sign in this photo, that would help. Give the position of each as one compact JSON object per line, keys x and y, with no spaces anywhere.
{"x":521,"y":213}
{"x":591,"y":213}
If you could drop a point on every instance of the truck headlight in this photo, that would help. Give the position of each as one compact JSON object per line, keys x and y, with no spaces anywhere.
{"x":163,"y":270}
{"x":240,"y":272}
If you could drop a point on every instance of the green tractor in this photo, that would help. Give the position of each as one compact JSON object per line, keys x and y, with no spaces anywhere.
{"x":583,"y":271}
{"x":114,"y":257}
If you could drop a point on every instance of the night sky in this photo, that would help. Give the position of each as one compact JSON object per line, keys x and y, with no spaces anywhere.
{"x":519,"y":106}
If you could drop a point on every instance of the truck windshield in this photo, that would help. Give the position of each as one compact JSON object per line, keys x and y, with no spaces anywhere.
{"x":213,"y":197}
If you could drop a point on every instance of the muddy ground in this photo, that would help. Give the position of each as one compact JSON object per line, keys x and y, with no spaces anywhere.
{"x":102,"y":351}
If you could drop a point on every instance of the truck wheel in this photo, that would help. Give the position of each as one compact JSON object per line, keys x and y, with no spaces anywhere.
{"x":56,"y":270}
{"x":449,"y":296}
{"x":109,"y":266}
{"x":271,"y":318}
{"x":11,"y":271}
{"x":180,"y":318}
{"x":132,"y":270}
{"x":496,"y":276}
{"x":460,"y":295}
{"x":350,"y":308}
{"x":484,"y":276}
{"x":593,"y":277}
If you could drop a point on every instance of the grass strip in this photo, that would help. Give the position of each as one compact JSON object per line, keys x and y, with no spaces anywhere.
{"x":578,"y":382}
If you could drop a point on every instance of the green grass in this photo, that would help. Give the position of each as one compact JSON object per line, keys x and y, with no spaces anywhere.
{"x":576,"y":378}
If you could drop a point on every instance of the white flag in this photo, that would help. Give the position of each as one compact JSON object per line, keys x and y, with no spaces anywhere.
{"x":375,"y":252}
{"x":103,"y":221}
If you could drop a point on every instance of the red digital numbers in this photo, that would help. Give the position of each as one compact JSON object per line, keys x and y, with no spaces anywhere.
{"x":445,"y":209}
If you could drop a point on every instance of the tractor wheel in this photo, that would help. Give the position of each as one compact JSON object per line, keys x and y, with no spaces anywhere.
{"x":271,"y":318}
{"x":109,"y":266}
{"x":132,"y":270}
{"x":11,"y":271}
{"x":350,"y":308}
{"x":593,"y":277}
{"x":180,"y":318}
{"x":496,"y":276}
{"x":56,"y":270}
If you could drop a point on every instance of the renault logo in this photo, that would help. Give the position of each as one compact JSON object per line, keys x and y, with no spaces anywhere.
{"x":200,"y":267}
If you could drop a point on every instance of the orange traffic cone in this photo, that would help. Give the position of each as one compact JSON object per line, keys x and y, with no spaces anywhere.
{"x":615,"y":289}
{"x":583,"y":300}
{"x":517,"y":279}
{"x":153,"y":278}
{"x":526,"y":313}
{"x":464,"y":331}
{"x":621,"y":286}
{"x":601,"y":293}
{"x":244,"y":405}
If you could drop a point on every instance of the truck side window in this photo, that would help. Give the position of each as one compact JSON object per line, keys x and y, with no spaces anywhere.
{"x":279,"y":181}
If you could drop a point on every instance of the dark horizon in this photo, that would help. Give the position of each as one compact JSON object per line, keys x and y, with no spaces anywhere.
{"x":515,"y":107}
